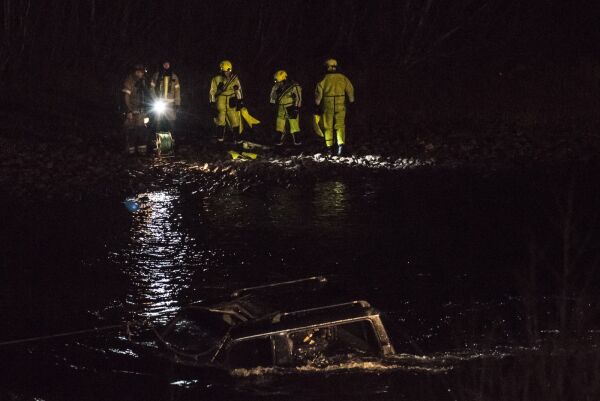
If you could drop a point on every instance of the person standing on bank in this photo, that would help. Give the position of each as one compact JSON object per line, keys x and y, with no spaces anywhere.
{"x":134,"y":102}
{"x":226,"y":100}
{"x":166,"y":92}
{"x":330,"y":101}
{"x":286,"y":95}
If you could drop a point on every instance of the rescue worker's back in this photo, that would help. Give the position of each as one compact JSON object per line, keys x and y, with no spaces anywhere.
{"x":330,"y":96}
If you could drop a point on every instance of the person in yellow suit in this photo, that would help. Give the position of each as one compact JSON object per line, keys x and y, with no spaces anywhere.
{"x":330,"y":100}
{"x":226,"y":100}
{"x":286,"y":95}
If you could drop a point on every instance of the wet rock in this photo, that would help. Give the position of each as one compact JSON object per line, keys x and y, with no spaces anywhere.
{"x":63,"y":170}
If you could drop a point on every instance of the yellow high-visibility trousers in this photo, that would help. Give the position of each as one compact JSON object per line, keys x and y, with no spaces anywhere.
{"x":283,"y":117}
{"x":334,"y":118}
{"x":227,"y":115}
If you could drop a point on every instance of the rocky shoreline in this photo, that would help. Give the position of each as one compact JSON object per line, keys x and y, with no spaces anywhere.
{"x":79,"y":171}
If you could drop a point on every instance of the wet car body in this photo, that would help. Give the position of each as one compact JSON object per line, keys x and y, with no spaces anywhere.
{"x":265,"y":326}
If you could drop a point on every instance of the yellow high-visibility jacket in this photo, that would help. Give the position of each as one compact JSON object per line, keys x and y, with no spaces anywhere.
{"x":287,"y":94}
{"x":220,"y":85}
{"x":334,"y":84}
{"x":172,"y":90}
{"x":331,"y":93}
{"x":226,"y":93}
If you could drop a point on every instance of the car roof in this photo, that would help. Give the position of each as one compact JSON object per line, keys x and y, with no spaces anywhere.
{"x":304,"y":319}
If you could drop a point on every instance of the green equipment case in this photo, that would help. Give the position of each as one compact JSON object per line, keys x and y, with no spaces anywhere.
{"x":164,"y":143}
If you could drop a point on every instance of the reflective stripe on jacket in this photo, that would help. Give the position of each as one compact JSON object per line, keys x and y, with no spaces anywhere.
{"x":173,"y":89}
{"x":133,"y":93}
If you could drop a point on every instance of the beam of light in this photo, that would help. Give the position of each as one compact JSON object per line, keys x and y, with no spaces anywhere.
{"x":159,"y":107}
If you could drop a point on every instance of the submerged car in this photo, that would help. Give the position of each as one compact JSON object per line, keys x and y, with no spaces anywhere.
{"x":264,"y":326}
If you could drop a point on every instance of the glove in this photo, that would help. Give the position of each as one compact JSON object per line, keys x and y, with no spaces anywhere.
{"x":240,"y":104}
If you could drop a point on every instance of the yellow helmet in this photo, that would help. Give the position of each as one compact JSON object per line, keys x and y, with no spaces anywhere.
{"x":280,"y":75}
{"x":226,"y":65}
{"x":331,"y":64}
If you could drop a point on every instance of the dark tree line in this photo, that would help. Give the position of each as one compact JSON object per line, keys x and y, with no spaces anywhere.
{"x":105,"y":35}
{"x":444,"y":50}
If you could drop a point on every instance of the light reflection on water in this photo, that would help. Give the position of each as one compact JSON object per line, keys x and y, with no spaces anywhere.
{"x":175,"y":244}
{"x":157,"y":255}
{"x":163,"y":258}
{"x":331,"y":200}
{"x":163,"y":255}
{"x":228,"y":209}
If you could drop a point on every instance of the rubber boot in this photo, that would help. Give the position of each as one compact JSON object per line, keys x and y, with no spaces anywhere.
{"x":129,"y":142}
{"x":229,"y":136}
{"x":220,"y":133}
{"x":340,"y":150}
{"x":296,"y":138}
{"x":237,"y":137}
{"x":279,"y":142}
{"x":329,"y":151}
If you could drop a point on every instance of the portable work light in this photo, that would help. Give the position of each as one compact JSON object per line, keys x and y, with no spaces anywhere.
{"x":159,"y":107}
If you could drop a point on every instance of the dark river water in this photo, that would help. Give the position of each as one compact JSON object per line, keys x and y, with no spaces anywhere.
{"x":441,"y":252}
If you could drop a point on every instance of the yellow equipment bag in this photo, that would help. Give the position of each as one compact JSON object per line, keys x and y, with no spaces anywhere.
{"x":245,"y":116}
{"x":234,"y":155}
{"x":249,"y":155}
{"x":244,"y":155}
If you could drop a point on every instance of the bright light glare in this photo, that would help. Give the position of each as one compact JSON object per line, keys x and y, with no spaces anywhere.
{"x":159,"y":107}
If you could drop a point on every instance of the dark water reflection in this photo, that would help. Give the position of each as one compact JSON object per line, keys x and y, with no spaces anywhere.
{"x":156,"y":256}
{"x":438,"y":252}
